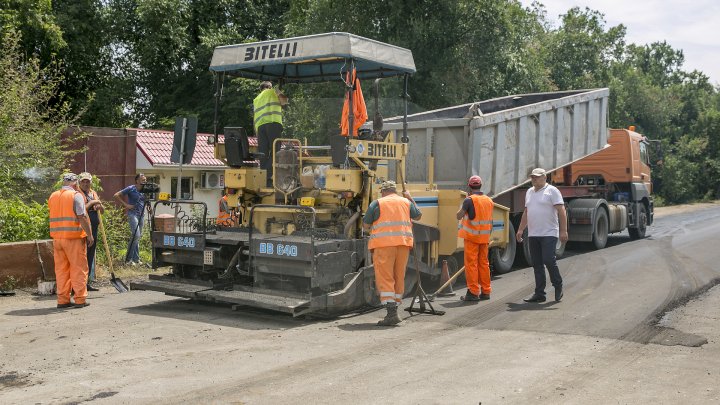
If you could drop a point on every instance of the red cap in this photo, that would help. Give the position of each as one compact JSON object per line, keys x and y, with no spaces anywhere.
{"x":475,"y":181}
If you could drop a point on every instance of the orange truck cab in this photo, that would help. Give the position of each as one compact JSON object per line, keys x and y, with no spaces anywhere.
{"x":609,"y":191}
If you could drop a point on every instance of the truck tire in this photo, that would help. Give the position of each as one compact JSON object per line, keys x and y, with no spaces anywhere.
{"x":501,"y":259}
{"x":639,"y":232}
{"x":559,"y":249}
{"x":600,"y":230}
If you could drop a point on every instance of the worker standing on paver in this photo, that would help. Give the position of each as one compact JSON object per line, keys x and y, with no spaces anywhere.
{"x":71,"y":234}
{"x":475,"y":226}
{"x":391,"y":239}
{"x":267,"y":107}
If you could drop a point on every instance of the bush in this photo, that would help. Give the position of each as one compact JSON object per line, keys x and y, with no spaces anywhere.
{"x":20,"y":221}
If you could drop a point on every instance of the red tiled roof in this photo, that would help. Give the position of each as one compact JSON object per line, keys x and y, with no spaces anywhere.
{"x":157,"y":148}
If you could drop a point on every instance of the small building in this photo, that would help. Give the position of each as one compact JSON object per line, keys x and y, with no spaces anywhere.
{"x":117,"y":155}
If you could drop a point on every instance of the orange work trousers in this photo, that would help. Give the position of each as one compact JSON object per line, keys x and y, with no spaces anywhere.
{"x":71,"y":269}
{"x":477,"y":268}
{"x":390,"y":263}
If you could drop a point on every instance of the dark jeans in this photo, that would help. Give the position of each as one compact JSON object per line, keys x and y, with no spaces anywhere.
{"x":267,"y":134}
{"x":94,"y":222}
{"x":542,"y":251}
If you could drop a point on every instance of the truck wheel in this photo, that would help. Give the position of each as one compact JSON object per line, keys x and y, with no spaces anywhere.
{"x":502,"y":259}
{"x":600,"y":231}
{"x":639,"y":232}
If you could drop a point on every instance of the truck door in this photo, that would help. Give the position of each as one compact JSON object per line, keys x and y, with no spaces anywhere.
{"x":644,"y":165}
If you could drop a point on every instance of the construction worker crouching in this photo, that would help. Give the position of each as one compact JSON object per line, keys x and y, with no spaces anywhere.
{"x":71,"y":234}
{"x":475,"y":226}
{"x":225,"y":217}
{"x":391,"y":239}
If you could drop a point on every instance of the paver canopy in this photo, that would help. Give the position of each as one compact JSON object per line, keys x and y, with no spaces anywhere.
{"x":313,"y":58}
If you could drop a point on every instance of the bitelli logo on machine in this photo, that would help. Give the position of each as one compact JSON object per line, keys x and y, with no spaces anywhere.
{"x":381,"y":150}
{"x":271,"y":51}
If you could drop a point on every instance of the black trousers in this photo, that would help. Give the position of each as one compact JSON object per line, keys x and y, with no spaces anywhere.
{"x":267,"y":134}
{"x":542,"y":251}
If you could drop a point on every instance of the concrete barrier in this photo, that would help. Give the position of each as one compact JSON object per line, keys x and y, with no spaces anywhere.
{"x":25,"y":262}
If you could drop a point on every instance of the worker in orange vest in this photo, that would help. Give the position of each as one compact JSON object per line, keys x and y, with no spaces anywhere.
{"x":391,"y":238}
{"x":71,"y":234}
{"x":224,"y":217}
{"x":475,"y":226}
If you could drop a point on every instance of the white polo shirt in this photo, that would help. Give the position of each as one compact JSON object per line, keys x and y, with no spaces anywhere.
{"x":542,"y":219}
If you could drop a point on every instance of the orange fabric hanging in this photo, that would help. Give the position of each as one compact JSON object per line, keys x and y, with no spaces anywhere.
{"x":359,"y":109}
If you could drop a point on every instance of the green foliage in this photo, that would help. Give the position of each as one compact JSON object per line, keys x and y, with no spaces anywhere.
{"x":581,"y":51}
{"x":122,"y":63}
{"x":9,"y":284}
{"x":30,"y":124}
{"x":35,"y":21}
{"x":20,"y":221}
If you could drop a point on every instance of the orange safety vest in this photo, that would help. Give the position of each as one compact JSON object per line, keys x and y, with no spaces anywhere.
{"x":223,"y":217}
{"x":478,"y":229}
{"x":359,"y":109}
{"x":64,"y":223}
{"x":393,"y":227}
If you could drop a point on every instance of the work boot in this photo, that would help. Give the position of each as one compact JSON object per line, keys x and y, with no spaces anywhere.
{"x":470,"y":297}
{"x":392,"y":317}
{"x":484,"y":297}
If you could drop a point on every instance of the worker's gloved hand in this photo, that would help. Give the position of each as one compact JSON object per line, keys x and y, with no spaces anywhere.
{"x":406,"y":194}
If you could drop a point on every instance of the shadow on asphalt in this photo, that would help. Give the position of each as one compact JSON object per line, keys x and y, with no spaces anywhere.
{"x":36,"y":311}
{"x":530,"y":306}
{"x":349,"y":327}
{"x":218,"y":314}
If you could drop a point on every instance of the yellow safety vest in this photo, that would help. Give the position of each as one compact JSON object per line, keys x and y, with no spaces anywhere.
{"x":267,"y":108}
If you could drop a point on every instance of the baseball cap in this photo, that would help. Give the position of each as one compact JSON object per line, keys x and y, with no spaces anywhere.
{"x":538,"y":172}
{"x":69,"y":177}
{"x":85,"y":176}
{"x":387,"y":184}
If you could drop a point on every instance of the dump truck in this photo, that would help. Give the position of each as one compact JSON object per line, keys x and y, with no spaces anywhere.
{"x":605,"y":176}
{"x":298,"y":245}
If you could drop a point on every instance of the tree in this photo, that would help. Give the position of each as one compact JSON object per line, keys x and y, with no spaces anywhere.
{"x":581,"y":51}
{"x":35,"y":22}
{"x":30,"y":125}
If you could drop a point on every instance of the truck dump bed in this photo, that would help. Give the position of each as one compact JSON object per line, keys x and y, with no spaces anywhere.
{"x":503,"y":139}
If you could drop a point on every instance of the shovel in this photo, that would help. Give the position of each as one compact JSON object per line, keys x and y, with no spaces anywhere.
{"x":116,"y":282}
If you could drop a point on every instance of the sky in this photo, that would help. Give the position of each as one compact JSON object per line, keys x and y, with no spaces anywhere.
{"x":692,"y":26}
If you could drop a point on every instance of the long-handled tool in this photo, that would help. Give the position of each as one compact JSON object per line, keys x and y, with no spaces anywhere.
{"x":116,"y":282}
{"x":419,"y":295}
{"x":447,"y":283}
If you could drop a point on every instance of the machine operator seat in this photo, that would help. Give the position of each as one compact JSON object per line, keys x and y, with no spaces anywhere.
{"x":237,"y":148}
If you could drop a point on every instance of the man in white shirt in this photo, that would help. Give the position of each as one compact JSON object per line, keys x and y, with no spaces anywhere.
{"x":546,"y":220}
